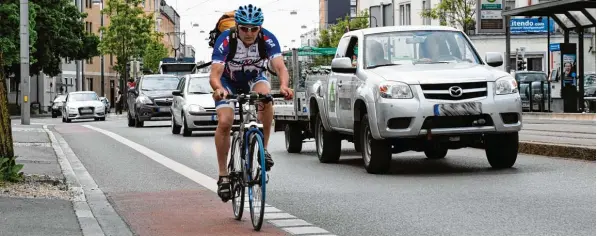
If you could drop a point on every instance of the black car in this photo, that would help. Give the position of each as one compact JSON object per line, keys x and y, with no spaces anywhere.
{"x":57,"y":105}
{"x":151,"y":99}
{"x":530,"y":82}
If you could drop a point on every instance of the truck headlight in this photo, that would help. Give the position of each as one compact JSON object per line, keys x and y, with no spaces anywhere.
{"x":397,"y":90}
{"x":196,"y":108}
{"x":506,"y":85}
{"x":144,"y":100}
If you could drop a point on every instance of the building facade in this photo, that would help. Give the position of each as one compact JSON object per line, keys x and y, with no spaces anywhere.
{"x":332,"y":10}
{"x":86,"y":75}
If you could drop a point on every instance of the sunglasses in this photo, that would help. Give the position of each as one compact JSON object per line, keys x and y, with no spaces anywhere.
{"x":247,"y":28}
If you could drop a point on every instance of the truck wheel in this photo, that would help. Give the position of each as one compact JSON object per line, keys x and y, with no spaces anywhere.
{"x":501,"y":149}
{"x":377,"y":154}
{"x":294,"y":138}
{"x":435,"y":151}
{"x":327,"y":143}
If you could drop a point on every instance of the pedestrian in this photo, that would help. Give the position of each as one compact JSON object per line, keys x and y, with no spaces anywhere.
{"x":119,"y":103}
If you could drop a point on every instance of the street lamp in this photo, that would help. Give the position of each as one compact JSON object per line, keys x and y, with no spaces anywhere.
{"x":101,"y":3}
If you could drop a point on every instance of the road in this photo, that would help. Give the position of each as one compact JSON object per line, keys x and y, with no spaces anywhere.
{"x":567,"y":132}
{"x":459,"y":195}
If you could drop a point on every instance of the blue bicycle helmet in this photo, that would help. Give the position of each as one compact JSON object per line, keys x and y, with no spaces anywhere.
{"x":249,"y":15}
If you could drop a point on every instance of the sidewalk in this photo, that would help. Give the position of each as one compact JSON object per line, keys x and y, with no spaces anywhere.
{"x":42,"y":204}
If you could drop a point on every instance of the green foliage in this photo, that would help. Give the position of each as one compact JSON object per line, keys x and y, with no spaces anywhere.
{"x":154,"y":53}
{"x":129,"y":32}
{"x":9,"y":170}
{"x":331,"y":36}
{"x":456,"y":13}
{"x":9,"y":32}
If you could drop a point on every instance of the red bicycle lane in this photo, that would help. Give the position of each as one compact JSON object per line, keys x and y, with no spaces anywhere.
{"x":183,"y":212}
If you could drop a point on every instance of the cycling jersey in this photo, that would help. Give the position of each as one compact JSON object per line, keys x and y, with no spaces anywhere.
{"x":247,"y":68}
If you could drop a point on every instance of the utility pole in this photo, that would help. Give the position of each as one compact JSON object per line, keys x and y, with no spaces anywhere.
{"x":103,"y":85}
{"x":25,"y":85}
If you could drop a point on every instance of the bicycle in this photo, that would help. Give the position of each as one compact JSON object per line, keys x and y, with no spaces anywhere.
{"x":242,"y":150}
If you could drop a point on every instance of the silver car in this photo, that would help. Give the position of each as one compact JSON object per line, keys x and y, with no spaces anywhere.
{"x":193,"y":108}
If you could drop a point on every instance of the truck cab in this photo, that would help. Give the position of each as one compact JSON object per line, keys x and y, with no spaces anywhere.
{"x":410,"y":88}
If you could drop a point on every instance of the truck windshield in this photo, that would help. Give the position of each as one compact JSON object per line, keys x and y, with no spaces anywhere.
{"x":159,"y":83}
{"x":418,"y":47}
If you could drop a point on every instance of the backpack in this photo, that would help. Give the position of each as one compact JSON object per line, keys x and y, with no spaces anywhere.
{"x":233,"y":40}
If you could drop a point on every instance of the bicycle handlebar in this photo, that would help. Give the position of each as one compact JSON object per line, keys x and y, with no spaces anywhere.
{"x":253,"y":97}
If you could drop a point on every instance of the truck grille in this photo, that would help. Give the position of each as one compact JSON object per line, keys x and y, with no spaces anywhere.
{"x":455,"y":91}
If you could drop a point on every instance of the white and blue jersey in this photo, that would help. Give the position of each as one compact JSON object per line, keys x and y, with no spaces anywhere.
{"x":246,"y":68}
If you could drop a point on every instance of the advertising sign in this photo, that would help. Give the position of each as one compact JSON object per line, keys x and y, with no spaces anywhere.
{"x":491,"y":4}
{"x":531,"y":25}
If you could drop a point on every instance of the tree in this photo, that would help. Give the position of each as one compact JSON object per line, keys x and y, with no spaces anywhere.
{"x":154,"y":53}
{"x":458,"y":13}
{"x":129,"y":32}
{"x":9,"y":55}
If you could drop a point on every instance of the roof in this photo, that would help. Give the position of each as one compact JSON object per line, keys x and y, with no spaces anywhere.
{"x":568,"y":14}
{"x":387,"y":29}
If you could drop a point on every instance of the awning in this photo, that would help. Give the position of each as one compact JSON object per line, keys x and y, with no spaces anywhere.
{"x":568,"y":14}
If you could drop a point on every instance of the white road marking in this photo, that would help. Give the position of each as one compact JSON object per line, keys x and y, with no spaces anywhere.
{"x":272,"y":214}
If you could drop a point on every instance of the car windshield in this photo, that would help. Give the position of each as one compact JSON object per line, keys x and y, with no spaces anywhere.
{"x":530,"y":77}
{"x":80,"y":97}
{"x":418,"y":47}
{"x":159,"y":83}
{"x":200,"y":85}
{"x":60,"y":98}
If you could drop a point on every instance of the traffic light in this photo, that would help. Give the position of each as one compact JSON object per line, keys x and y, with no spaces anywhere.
{"x":520,"y":63}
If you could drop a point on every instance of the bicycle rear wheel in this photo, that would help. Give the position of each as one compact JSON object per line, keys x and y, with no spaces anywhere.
{"x":257,"y":179}
{"x":236,"y":172}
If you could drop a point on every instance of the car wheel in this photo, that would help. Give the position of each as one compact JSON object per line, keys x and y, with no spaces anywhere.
{"x":377,"y":154}
{"x":54,"y":115}
{"x":186,"y":132}
{"x":138,"y":123}
{"x":131,"y":121}
{"x":327,"y":143}
{"x":175,"y":127}
{"x":501,"y":149}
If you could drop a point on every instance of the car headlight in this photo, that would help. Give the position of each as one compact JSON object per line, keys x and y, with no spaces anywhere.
{"x":506,"y":85}
{"x":99,"y":108}
{"x":196,"y":108}
{"x":395,"y":90}
{"x":144,"y":100}
{"x":71,"y":108}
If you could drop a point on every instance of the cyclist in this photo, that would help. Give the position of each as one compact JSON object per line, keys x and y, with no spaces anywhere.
{"x":245,"y":72}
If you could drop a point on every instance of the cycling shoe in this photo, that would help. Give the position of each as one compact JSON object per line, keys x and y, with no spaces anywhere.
{"x":224,"y":191}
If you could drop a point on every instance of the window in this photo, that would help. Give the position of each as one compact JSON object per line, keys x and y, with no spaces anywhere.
{"x":426,"y":6}
{"x":353,"y":11}
{"x":405,"y":14}
{"x":111,"y":59}
{"x":353,"y":2}
{"x":89,"y":84}
{"x":13,"y":86}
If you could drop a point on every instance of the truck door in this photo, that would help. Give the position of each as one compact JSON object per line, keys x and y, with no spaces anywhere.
{"x":346,"y":88}
{"x":331,"y":100}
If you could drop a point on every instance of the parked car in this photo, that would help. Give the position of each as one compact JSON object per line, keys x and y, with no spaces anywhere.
{"x":193,"y":107}
{"x":57,"y":105}
{"x":151,"y":99}
{"x":534,"y":79}
{"x":83,"y":105}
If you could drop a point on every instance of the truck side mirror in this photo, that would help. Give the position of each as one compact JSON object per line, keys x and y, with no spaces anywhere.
{"x":343,"y":65}
{"x":494,"y":59}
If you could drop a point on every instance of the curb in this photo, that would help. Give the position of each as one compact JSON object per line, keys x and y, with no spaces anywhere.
{"x":553,"y":150}
{"x":558,"y":116}
{"x":89,"y":200}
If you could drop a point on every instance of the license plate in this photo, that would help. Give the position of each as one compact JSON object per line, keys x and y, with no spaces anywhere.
{"x":85,"y":111}
{"x":457,"y":109}
{"x":164,"y":109}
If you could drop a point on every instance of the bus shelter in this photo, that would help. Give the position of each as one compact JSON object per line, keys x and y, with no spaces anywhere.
{"x":569,"y":15}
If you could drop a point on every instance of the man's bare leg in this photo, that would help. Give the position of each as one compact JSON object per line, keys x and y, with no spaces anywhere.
{"x":266,"y":115}
{"x":222,"y":138}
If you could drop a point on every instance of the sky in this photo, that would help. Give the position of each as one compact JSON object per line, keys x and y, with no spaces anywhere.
{"x":278,"y":20}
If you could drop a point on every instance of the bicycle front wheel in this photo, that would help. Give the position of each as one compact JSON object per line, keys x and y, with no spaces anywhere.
{"x":236,"y":172}
{"x":256,"y":158}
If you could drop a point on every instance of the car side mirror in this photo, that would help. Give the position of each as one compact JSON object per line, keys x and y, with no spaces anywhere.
{"x":177,"y":93}
{"x":343,"y":65}
{"x":494,"y":59}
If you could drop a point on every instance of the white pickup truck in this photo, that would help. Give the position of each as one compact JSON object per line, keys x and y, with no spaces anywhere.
{"x":407,"y":88}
